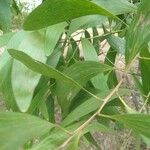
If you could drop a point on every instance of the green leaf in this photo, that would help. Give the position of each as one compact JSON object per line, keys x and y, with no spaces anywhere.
{"x":138,"y":84}
{"x":53,"y":73}
{"x":5,"y":81}
{"x":5,"y":38}
{"x":86,"y":22}
{"x":6,"y":87}
{"x":40,"y":68}
{"x":146,"y":140}
{"x":74,"y":52}
{"x":81,"y":72}
{"x":4,"y":59}
{"x":82,"y":96}
{"x":97,"y":127}
{"x":110,"y":60}
{"x":96,"y":41}
{"x":139,"y":31}
{"x":69,"y":80}
{"x":4,"y":67}
{"x":89,"y":52}
{"x":91,"y":128}
{"x":38,"y":99}
{"x":117,"y":43}
{"x":137,"y":122}
{"x":53,"y":59}
{"x":57,"y":137}
{"x":116,"y":6}
{"x":52,"y":142}
{"x":5,"y":15}
{"x":91,"y":140}
{"x":15,"y":7}
{"x":16,"y":129}
{"x":52,"y":36}
{"x":89,"y":106}
{"x":145,"y":70}
{"x":33,"y":44}
{"x":23,"y":82}
{"x":43,"y":110}
{"x":30,"y":42}
{"x":56,"y":11}
{"x":74,"y":144}
{"x":50,"y":103}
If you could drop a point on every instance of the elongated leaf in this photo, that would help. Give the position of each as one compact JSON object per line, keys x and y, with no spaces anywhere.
{"x":95,"y":126}
{"x":39,"y":67}
{"x":32,"y":43}
{"x":74,"y":144}
{"x":52,"y":36}
{"x":5,"y":70}
{"x":86,"y":22}
{"x":23,"y":83}
{"x":138,"y":122}
{"x":29,"y":42}
{"x":82,"y":96}
{"x":80,"y":72}
{"x":49,"y":71}
{"x":96,"y":41}
{"x":17,"y":128}
{"x":4,"y":59}
{"x":110,"y":60}
{"x":116,"y":6}
{"x":5,"y":11}
{"x":38,"y":99}
{"x":50,"y":108}
{"x":75,"y":51}
{"x":87,"y":107}
{"x":75,"y":75}
{"x":42,"y":92}
{"x":16,"y":7}
{"x":100,"y":81}
{"x":43,"y":110}
{"x":52,"y":142}
{"x":139,"y":31}
{"x":88,"y":50}
{"x":138,"y":84}
{"x":5,"y":81}
{"x":5,"y":38}
{"x":57,"y":137}
{"x":6,"y":87}
{"x":117,"y":43}
{"x":146,"y":140}
{"x":56,"y":11}
{"x":53,"y":59}
{"x":145,"y":70}
{"x":91,"y":140}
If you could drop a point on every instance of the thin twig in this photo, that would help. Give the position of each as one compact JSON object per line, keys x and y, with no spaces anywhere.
{"x":92,"y":117}
{"x":105,"y":101}
{"x":97,"y":36}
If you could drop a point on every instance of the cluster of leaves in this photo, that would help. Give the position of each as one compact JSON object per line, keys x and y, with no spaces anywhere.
{"x":36,"y":72}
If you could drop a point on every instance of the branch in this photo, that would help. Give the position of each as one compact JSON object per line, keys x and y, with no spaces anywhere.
{"x":105,"y":100}
{"x":92,"y":117}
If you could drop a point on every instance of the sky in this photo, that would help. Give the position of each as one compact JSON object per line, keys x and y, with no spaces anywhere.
{"x":31,"y":3}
